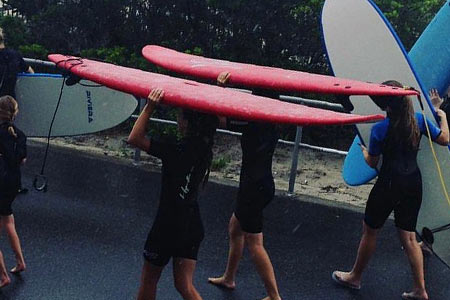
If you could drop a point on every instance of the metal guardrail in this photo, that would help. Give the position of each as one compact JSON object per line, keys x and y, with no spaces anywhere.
{"x":297,"y":143}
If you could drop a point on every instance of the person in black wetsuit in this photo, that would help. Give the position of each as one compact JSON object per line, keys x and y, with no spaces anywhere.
{"x":177,"y":230}
{"x":13,"y":153}
{"x":11,"y":63}
{"x":398,"y":187}
{"x":256,"y":191}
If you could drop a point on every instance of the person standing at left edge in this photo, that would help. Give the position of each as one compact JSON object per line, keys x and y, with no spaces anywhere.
{"x":11,"y":63}
{"x":13,"y":153}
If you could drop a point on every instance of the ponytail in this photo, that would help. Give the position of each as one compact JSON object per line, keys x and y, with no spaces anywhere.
{"x":11,"y":131}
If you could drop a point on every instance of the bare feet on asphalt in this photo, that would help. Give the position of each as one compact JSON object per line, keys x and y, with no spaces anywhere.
{"x":4,"y":280}
{"x":221,"y":282}
{"x":17,"y":269}
{"x":346,"y":279}
{"x":415,"y":295}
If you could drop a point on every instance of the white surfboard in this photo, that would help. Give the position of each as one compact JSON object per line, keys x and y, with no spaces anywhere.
{"x":362,"y":45}
{"x":85,"y":107}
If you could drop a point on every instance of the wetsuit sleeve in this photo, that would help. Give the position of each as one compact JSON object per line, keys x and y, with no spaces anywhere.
{"x":21,"y":145}
{"x":377,"y":136}
{"x":23,"y":66}
{"x":434,"y":130}
{"x":162,"y":148}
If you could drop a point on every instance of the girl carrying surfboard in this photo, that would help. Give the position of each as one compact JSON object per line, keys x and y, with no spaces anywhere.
{"x":398,"y":187}
{"x":256,"y":191}
{"x":177,"y":230}
{"x":13,"y":153}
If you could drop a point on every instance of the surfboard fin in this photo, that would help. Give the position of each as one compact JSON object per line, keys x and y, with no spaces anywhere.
{"x":72,"y":79}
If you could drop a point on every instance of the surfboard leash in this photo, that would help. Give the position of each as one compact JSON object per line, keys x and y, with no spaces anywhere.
{"x":436,"y":160}
{"x":40,"y":180}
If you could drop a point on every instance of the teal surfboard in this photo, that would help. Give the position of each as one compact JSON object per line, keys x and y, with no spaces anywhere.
{"x":362,"y":44}
{"x":431,"y":59}
{"x":85,"y":107}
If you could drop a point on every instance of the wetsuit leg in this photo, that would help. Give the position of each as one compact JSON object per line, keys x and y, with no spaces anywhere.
{"x":380,"y":204}
{"x":251,"y":201}
{"x":407,"y":211}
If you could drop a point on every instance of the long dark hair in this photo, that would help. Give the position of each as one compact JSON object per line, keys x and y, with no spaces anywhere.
{"x":403,"y":129}
{"x":203,"y":126}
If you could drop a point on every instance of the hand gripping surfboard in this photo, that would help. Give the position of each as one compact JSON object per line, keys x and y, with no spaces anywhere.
{"x":254,"y":76}
{"x":204,"y":97}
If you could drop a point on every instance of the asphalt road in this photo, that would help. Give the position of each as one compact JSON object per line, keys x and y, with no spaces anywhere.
{"x":83,"y":239}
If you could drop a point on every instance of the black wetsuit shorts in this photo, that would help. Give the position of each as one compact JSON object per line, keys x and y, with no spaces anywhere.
{"x":252,"y":198}
{"x":6,"y":200}
{"x":401,"y":194}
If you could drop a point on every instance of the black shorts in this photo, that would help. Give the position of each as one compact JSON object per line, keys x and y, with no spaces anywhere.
{"x":6,"y":200}
{"x":159,"y":255}
{"x":170,"y":237}
{"x":401,"y":194}
{"x":251,"y":201}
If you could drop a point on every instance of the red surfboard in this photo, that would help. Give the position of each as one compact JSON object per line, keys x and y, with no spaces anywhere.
{"x":204,"y":97}
{"x":254,"y":76}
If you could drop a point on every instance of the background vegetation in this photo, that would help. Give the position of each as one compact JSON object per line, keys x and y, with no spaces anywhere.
{"x":274,"y":33}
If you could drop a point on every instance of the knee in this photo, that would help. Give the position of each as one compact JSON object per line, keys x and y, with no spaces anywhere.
{"x":234,"y":232}
{"x":253,"y":245}
{"x":369,"y":232}
{"x":410,"y":241}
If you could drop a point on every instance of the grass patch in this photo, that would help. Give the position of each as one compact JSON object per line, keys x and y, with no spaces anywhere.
{"x":220,"y":163}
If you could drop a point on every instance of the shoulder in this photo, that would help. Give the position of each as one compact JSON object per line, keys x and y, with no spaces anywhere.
{"x":380,"y":127}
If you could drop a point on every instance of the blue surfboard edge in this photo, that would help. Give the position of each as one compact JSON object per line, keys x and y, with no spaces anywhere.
{"x":47,"y":75}
{"x":363,"y":173}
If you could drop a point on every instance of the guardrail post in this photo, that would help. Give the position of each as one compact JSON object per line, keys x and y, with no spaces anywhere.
{"x":137,"y":151}
{"x":298,"y":139}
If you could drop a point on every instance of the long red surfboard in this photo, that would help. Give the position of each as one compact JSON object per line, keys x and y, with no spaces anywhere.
{"x":255,"y":76}
{"x":204,"y":97}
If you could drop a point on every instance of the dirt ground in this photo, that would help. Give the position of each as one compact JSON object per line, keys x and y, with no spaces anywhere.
{"x":318,"y":173}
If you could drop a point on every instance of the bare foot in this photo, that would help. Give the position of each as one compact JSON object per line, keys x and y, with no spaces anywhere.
{"x":415,"y":295}
{"x":346,"y":279}
{"x":4,"y":281}
{"x":268,"y":298}
{"x":221,"y":282}
{"x":17,"y":269}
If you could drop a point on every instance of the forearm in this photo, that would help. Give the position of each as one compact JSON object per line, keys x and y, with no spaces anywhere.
{"x":444,"y":131}
{"x":372,"y":161}
{"x":138,"y":135}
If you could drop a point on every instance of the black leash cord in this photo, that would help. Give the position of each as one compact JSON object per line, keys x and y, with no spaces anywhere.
{"x":40,"y":180}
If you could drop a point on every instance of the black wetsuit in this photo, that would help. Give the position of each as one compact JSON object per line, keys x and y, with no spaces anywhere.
{"x":256,"y":184}
{"x":399,"y":184}
{"x":11,"y":63}
{"x":177,"y":230}
{"x":12,"y":151}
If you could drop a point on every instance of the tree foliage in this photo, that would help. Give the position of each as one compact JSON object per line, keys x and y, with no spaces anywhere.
{"x":283,"y":33}
{"x":277,"y":33}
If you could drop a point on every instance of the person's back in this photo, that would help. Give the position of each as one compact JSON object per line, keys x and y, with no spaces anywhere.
{"x":12,"y":151}
{"x":11,"y":63}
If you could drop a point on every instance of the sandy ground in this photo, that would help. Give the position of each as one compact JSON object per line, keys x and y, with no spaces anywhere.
{"x":318,"y":173}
